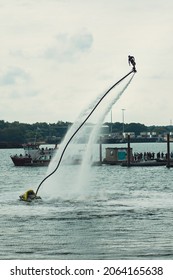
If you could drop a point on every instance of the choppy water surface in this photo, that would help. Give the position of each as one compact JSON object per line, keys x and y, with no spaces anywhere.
{"x":123,"y":213}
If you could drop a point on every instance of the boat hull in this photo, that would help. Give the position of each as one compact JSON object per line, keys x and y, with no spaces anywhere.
{"x":25,"y":161}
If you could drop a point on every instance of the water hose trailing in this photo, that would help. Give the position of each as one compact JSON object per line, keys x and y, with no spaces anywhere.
{"x":62,"y":154}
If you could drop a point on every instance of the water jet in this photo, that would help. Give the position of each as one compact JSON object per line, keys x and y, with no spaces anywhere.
{"x":80,"y":126}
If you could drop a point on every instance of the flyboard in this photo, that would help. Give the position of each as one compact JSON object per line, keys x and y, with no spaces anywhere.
{"x":30,"y":195}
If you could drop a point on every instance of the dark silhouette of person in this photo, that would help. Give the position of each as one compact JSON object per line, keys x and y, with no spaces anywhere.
{"x":131,"y":61}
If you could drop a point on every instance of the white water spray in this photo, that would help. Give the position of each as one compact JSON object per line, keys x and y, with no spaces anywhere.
{"x":62,"y":183}
{"x":87,"y":162}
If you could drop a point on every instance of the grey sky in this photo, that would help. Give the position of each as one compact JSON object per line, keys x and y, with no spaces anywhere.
{"x":59,"y":55}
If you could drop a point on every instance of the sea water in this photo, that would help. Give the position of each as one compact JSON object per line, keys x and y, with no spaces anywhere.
{"x":125,"y":213}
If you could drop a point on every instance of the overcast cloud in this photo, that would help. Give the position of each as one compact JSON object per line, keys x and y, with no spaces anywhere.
{"x":59,"y":55}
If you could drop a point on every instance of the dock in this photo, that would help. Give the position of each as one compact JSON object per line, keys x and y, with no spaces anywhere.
{"x":124,"y":156}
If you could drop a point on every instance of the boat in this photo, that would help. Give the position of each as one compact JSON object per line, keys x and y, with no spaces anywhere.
{"x":34,"y":155}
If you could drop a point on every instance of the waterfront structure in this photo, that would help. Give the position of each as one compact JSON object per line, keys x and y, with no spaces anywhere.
{"x":117,"y":155}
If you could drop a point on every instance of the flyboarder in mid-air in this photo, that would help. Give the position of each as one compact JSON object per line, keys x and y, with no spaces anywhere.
{"x":131,"y":61}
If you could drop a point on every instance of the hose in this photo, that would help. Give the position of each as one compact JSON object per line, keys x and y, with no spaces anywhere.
{"x":58,"y":164}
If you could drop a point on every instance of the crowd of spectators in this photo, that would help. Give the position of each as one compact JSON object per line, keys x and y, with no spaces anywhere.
{"x":151,"y":156}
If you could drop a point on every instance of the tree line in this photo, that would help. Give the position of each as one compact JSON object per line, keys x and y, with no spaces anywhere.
{"x":19,"y":133}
